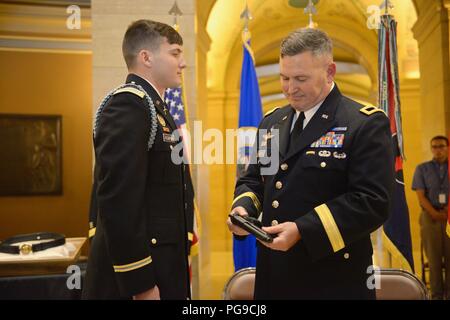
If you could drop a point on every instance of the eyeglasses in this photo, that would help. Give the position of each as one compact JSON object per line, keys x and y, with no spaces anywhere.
{"x":441,"y":146}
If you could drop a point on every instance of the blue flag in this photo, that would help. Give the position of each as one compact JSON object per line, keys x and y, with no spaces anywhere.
{"x":250,"y":115}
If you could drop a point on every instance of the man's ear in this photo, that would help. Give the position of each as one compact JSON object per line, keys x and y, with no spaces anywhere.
{"x":331,"y":71}
{"x":145,"y":57}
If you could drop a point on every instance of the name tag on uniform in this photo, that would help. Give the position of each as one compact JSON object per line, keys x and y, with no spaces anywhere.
{"x":442,"y":198}
{"x":339,"y":129}
{"x":329,"y":140}
{"x":169,"y":137}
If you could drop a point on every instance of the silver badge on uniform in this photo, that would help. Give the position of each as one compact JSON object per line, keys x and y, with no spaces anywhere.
{"x":324,"y":153}
{"x":340,"y":155}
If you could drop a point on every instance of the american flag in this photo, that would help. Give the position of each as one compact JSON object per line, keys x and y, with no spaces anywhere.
{"x":174,"y":101}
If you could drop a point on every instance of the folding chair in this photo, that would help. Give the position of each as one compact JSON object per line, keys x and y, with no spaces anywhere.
{"x":241,"y":285}
{"x":394,"y":284}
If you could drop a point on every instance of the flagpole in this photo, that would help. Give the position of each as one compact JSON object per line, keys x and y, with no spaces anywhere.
{"x":176,"y":12}
{"x":196,"y":228}
{"x":387,"y":4}
{"x":310,"y":10}
{"x":250,"y":115}
{"x":396,"y":230}
{"x":388,"y":252}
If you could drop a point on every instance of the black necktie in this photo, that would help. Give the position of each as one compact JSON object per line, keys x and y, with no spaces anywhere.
{"x":297,"y":130}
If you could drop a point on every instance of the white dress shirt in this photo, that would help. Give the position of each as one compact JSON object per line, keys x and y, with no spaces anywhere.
{"x":309,"y":113}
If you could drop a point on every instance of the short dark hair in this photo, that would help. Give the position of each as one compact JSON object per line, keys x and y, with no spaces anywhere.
{"x":307,"y":39}
{"x":146,"y":34}
{"x":440,"y":138}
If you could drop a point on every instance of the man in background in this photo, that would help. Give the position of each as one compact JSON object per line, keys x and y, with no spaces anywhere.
{"x":431,"y":185}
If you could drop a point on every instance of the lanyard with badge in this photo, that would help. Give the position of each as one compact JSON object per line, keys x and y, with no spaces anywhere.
{"x":441,"y":178}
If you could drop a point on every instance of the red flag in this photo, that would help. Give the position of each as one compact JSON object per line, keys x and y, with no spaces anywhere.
{"x":396,"y":230}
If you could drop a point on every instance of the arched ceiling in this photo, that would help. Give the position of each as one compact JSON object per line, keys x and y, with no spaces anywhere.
{"x":344,"y":20}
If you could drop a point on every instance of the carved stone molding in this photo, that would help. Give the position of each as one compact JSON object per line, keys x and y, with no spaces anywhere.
{"x":29,"y":26}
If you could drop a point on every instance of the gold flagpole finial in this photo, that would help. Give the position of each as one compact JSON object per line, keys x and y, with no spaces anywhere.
{"x":311,"y":10}
{"x":175,"y":12}
{"x":247,"y":16}
{"x":386,"y":5}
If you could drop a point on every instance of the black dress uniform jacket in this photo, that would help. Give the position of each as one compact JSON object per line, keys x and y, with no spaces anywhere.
{"x":140,"y":237}
{"x":336,"y":185}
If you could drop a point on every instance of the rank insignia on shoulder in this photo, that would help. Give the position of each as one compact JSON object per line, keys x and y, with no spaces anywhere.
{"x":369,"y":110}
{"x":271,"y":111}
{"x":132,"y":90}
{"x":329,"y":140}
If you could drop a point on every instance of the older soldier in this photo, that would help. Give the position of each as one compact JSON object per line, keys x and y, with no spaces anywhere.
{"x":333,"y":186}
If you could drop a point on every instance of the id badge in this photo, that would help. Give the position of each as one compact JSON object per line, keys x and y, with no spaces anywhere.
{"x":442,"y":198}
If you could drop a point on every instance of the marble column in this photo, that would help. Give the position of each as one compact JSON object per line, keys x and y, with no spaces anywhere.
{"x":432,"y":33}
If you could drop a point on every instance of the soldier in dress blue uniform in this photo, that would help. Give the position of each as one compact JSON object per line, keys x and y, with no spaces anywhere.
{"x":139,"y":196}
{"x":332,"y":188}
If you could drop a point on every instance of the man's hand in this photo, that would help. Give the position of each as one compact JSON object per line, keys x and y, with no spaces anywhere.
{"x":152,"y":294}
{"x":440,"y":215}
{"x":235,"y":229}
{"x":287,"y":235}
{"x":443,"y":215}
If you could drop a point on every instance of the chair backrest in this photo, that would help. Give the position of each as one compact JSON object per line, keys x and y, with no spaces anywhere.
{"x":396,"y":284}
{"x":241,"y":285}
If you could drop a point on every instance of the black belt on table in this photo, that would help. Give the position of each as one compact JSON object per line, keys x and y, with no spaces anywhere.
{"x":8,"y":245}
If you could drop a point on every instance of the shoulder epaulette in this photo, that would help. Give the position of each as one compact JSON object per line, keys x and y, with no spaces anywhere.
{"x":271,"y":111}
{"x":368,"y":110}
{"x":135,"y":91}
{"x":140,"y":92}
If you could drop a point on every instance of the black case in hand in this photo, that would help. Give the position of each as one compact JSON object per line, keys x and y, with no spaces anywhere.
{"x":250,"y":225}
